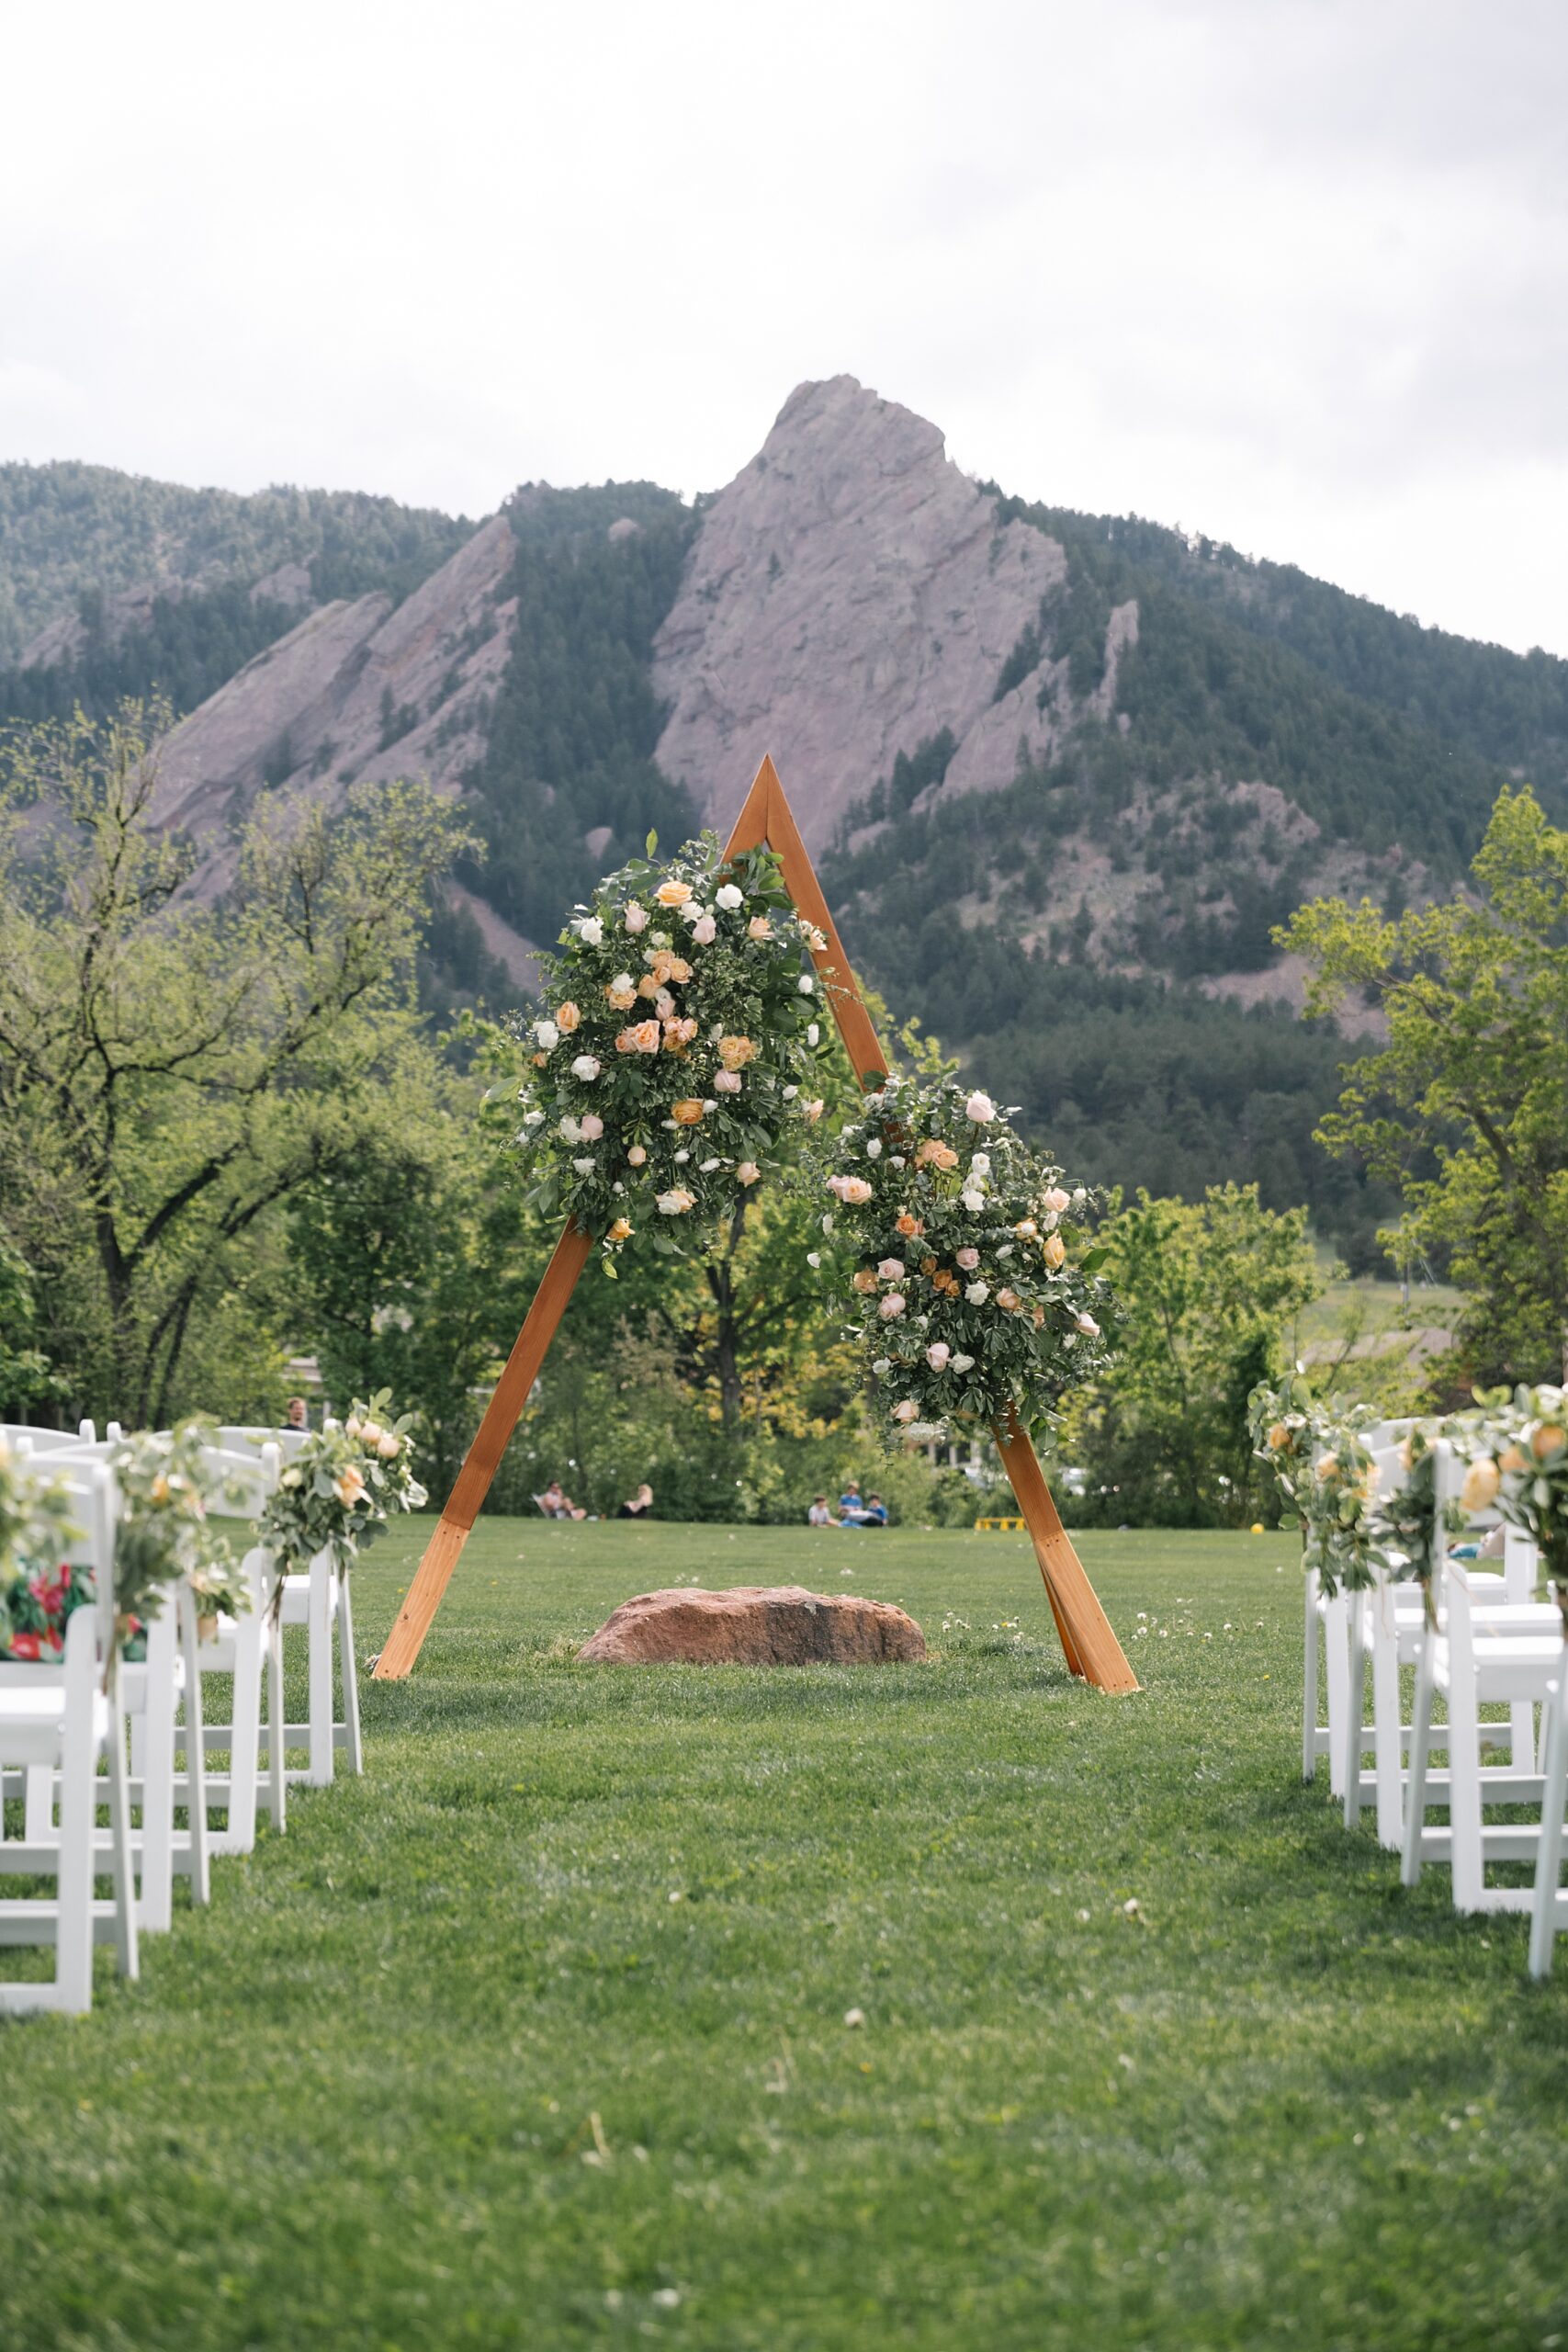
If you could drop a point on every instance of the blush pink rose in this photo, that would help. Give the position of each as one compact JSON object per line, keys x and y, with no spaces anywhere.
{"x":727,"y":1081}
{"x":937,"y":1355}
{"x":591,"y":1126}
{"x":891,"y":1270}
{"x":893,"y":1305}
{"x":969,"y":1259}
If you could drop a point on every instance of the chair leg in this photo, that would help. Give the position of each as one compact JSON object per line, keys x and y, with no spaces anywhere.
{"x":277,"y":1716}
{"x":1309,"y":1681}
{"x":157,"y":1748}
{"x":321,"y":1709}
{"x":349,"y":1669}
{"x":1355,"y":1709}
{"x":1465,"y":1795}
{"x":78,"y":1811}
{"x":1549,"y":1860}
{"x":1415,"y":1795}
{"x":1336,"y":1668}
{"x":126,"y":1942}
{"x":1386,"y":1737}
{"x":195,"y":1755}
{"x":244,"y":1739}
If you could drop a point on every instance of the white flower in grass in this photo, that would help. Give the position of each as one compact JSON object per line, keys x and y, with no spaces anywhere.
{"x":591,"y":932}
{"x":980,"y":1164}
{"x":977,"y":1293}
{"x":586,"y":1067}
{"x":729,"y":897}
{"x":710,"y":1105}
{"x":547,"y":1035}
{"x":974,"y":1202}
{"x":1079,"y":1197}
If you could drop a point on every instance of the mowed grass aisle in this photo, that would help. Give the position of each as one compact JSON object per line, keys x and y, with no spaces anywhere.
{"x":536,"y":2036}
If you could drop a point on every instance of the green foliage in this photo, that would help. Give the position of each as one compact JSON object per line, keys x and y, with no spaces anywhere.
{"x":171,"y":1073}
{"x":27,"y":1380}
{"x":70,"y":530}
{"x":190,"y":646}
{"x":1206,"y":1289}
{"x":1462,"y":1107}
{"x":574,"y":723}
{"x":166,"y":1495}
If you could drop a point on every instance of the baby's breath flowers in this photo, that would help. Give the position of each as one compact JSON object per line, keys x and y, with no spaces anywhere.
{"x":669,"y":1065}
{"x":962,"y":1253}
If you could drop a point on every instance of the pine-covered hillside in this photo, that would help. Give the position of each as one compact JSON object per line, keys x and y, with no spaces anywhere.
{"x":1063,"y":773}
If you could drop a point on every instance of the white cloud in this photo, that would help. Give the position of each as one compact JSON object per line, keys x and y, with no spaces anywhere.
{"x":1294,"y":275}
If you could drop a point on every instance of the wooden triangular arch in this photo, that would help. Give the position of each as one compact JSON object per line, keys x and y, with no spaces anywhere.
{"x":1091,"y":1647}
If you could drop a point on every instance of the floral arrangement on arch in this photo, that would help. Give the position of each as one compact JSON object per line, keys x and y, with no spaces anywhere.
{"x":39,"y":1593}
{"x":1516,"y":1449}
{"x":677,"y":1047}
{"x":976,"y":1303}
{"x":340,"y":1489}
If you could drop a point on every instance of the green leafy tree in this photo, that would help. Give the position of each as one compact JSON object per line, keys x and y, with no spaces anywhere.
{"x":171,"y":1072}
{"x":1462,"y":1107}
{"x":1207,"y":1288}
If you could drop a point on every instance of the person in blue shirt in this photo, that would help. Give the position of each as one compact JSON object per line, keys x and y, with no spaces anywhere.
{"x":876,"y":1513}
{"x":851,"y":1510}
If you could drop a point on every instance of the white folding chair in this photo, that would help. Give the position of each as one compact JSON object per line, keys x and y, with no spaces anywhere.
{"x":318,"y":1600}
{"x":1389,"y":1622}
{"x":1471,"y":1659}
{"x":1549,"y":1900}
{"x":61,"y":1718}
{"x":237,"y":1647}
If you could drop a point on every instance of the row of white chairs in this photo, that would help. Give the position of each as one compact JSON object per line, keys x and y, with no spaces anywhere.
{"x":90,"y":1727}
{"x":1487,"y":1644}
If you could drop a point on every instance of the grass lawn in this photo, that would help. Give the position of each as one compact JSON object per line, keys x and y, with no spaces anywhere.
{"x":535,"y":2036}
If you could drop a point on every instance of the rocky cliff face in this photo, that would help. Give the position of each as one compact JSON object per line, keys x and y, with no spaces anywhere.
{"x":359,"y":689}
{"x":849,"y":595}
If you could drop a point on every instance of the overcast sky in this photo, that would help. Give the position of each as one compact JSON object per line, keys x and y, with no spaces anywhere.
{"x":1292,"y":272}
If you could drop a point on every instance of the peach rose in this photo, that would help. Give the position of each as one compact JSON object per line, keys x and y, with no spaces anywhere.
{"x":1550,"y":1439}
{"x":862,"y":1279}
{"x":635,"y":1155}
{"x":907,"y":1410}
{"x":910,"y":1227}
{"x":811,"y":1112}
{"x":759,"y":928}
{"x":1057,"y":1200}
{"x":621,"y":992}
{"x":937,"y":1355}
{"x":620,"y":1232}
{"x":648,"y":985}
{"x":1054,"y":1249}
{"x":591,"y":1126}
{"x":1026,"y":1228}
{"x":675,"y":1201}
{"x":1008,"y":1299}
{"x":566,"y":1017}
{"x":672,"y":893}
{"x":678,"y":1035}
{"x":1481,"y":1481}
{"x":667,"y":966}
{"x":736,"y":1052}
{"x":934,"y":1153}
{"x":643,"y":1037}
{"x":748,"y":1172}
{"x":853,"y":1191}
{"x":686,"y":1113}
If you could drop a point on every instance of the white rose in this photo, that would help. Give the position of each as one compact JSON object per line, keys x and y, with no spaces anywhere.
{"x":963,"y":1363}
{"x":977,"y":1293}
{"x":547,"y":1035}
{"x":691,"y":911}
{"x":585,"y":1067}
{"x":681,"y":1157}
{"x":583,"y":1167}
{"x":981,"y":1163}
{"x":827,"y":1222}
{"x":974,"y":1202}
{"x":591,"y":932}
{"x":813,"y":1033}
{"x":814,"y":1256}
{"x":806,"y":985}
{"x":571,"y":1131}
{"x":533,"y":1118}
{"x":980,"y":1108}
{"x":790,"y":1092}
{"x":1079,"y":1197}
{"x":897,"y":1160}
{"x":729,"y":897}
{"x":708,"y":1166}
{"x":705,"y":930}
{"x":883,"y":1364}
{"x":874,"y":1148}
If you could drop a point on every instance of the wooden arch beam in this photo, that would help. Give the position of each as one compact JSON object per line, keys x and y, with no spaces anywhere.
{"x":1088,"y":1642}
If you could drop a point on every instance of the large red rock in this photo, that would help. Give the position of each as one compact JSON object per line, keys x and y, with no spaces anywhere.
{"x":780,"y":1625}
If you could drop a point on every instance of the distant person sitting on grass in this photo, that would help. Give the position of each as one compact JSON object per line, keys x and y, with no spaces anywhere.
{"x":876,"y":1513}
{"x":820,"y":1515}
{"x":851,"y":1509}
{"x":640,"y":1505}
{"x":556,"y":1505}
